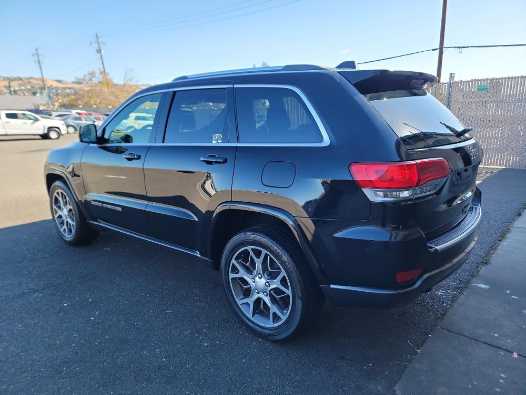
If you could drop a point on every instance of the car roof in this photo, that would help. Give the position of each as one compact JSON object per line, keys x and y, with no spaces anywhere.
{"x":264,"y":75}
{"x":228,"y":77}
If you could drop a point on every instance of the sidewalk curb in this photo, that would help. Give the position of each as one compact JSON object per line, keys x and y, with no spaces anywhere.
{"x":480,"y":345}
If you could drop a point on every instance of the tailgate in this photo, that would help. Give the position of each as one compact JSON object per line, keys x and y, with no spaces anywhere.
{"x":439,"y":213}
{"x":426,"y":129}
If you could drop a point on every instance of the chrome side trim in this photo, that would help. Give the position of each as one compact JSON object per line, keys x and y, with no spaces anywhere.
{"x":146,"y":238}
{"x":105,"y":205}
{"x":438,"y":246}
{"x":448,"y":146}
{"x":102,"y":200}
{"x":325,"y":136}
{"x":114,"y":201}
{"x":174,"y":211}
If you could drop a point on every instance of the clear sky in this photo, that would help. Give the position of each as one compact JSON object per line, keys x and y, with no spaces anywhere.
{"x":156,"y":40}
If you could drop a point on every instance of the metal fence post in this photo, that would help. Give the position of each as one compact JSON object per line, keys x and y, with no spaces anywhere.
{"x":449,"y":89}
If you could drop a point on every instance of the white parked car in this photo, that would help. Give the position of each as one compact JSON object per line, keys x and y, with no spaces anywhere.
{"x":13,"y":122}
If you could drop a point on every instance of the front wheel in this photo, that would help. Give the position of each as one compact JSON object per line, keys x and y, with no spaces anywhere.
{"x":53,"y":134}
{"x":268,"y":283}
{"x":70,"y":223}
{"x":71,"y":129}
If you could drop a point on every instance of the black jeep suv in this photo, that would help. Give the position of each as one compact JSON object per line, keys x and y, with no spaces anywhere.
{"x":299,"y":183}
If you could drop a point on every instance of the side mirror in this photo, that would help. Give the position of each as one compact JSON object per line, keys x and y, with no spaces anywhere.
{"x":88,"y":133}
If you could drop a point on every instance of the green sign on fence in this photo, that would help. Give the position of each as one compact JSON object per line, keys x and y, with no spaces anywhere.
{"x":482,"y":88}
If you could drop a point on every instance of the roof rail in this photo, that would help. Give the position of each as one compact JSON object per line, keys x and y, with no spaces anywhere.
{"x":266,"y":69}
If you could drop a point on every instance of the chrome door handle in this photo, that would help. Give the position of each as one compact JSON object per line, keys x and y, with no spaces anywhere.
{"x":131,"y":156}
{"x":213,"y":159}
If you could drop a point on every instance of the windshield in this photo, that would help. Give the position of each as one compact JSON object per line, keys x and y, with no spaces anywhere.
{"x":415,"y":111}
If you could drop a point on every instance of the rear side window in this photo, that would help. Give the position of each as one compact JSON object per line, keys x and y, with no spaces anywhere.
{"x":198,"y":116}
{"x":269,"y":115}
{"x":11,"y":115}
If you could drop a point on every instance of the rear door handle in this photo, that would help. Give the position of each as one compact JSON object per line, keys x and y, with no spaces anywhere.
{"x":213,"y":159}
{"x":131,"y":156}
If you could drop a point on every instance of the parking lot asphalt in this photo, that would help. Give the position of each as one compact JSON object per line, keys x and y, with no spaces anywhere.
{"x":124,"y":316}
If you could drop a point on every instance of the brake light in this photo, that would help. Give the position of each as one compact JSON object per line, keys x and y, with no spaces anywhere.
{"x":400,"y":180}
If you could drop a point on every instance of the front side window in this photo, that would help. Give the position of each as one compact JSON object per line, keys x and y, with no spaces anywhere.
{"x":27,"y":117}
{"x":274,"y":115}
{"x":134,"y":123}
{"x":198,"y":116}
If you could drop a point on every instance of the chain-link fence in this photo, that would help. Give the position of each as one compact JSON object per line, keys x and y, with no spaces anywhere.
{"x":496,"y":110}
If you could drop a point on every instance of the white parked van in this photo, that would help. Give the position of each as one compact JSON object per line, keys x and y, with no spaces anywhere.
{"x":14,"y":122}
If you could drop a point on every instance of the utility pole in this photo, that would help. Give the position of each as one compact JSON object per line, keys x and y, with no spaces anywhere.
{"x":38,"y":61}
{"x":9,"y":86}
{"x":441,"y":44}
{"x":98,"y":49}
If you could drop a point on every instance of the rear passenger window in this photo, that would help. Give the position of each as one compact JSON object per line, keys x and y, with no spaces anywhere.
{"x":274,"y":115}
{"x":11,"y":115}
{"x":198,"y":116}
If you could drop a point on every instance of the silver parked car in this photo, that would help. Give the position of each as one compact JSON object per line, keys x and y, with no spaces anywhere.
{"x":75,"y":122}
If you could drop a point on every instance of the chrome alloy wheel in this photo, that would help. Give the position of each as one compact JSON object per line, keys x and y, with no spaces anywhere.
{"x":63,"y":214}
{"x":260,"y":286}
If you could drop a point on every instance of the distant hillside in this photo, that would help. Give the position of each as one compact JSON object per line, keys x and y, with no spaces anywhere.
{"x":33,"y":85}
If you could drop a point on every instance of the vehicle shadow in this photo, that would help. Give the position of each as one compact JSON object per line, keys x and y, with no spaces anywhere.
{"x":122,"y":314}
{"x":19,"y":138}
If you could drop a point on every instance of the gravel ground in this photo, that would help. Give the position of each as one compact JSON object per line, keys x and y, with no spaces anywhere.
{"x":125,"y":316}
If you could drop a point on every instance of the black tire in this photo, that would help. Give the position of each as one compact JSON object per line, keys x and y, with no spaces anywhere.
{"x":53,"y":134}
{"x":82,"y":233}
{"x":306,"y":298}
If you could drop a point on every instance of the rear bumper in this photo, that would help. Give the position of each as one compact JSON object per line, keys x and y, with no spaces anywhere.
{"x":439,"y":257}
{"x":364,"y":296}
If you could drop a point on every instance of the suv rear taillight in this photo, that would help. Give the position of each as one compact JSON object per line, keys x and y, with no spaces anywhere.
{"x":384,"y":182}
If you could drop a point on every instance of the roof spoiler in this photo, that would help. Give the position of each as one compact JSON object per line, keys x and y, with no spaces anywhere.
{"x":372,"y":81}
{"x":348,"y":64}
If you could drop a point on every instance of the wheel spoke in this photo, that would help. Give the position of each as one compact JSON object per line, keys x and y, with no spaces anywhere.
{"x":274,"y":286}
{"x":242,"y":273}
{"x":257,"y":261}
{"x":250,"y":301}
{"x":274,"y":310}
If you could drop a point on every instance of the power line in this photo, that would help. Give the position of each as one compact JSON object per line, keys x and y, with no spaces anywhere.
{"x":214,"y":12}
{"x":219,"y":15}
{"x":460,"y":47}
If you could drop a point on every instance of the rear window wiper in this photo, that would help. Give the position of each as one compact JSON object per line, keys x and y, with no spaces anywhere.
{"x":456,"y":132}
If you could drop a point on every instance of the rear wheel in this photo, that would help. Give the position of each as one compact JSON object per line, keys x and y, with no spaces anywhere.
{"x":70,"y":223}
{"x":268,"y":285}
{"x":53,"y":134}
{"x":71,"y":129}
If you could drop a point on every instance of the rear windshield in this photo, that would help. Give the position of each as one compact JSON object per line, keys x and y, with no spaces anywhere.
{"x":415,"y":111}
{"x":417,"y":117}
